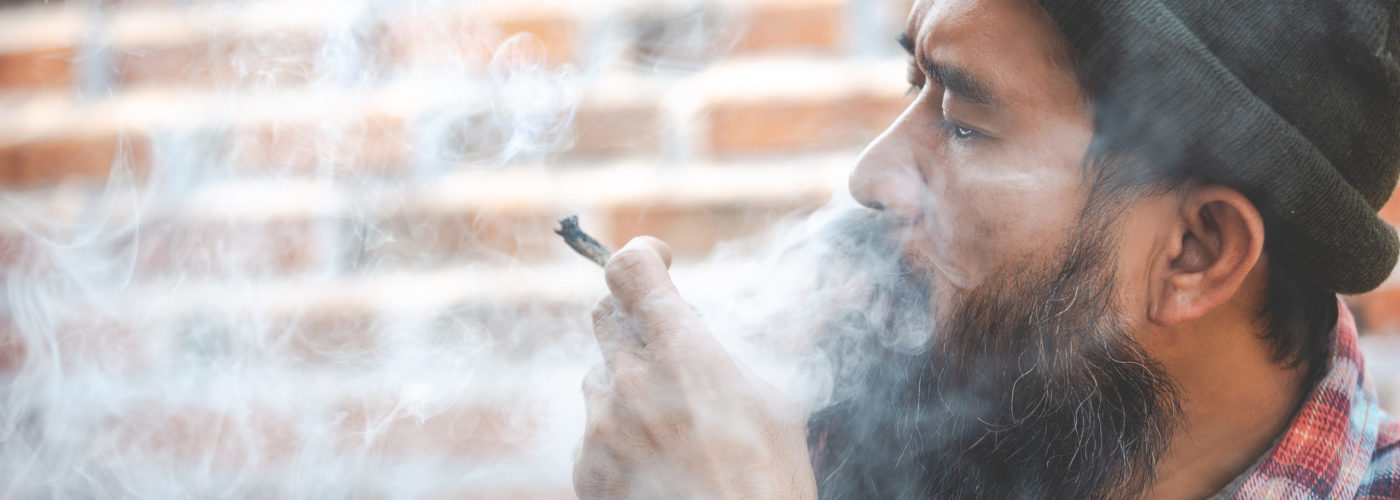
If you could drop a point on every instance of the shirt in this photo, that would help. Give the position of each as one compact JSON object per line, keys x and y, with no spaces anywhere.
{"x":1339,"y":444}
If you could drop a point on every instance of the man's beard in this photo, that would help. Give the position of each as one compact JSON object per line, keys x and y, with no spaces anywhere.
{"x":1028,"y":388}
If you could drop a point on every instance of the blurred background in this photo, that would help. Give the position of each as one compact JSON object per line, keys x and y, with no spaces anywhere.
{"x":304,"y":248}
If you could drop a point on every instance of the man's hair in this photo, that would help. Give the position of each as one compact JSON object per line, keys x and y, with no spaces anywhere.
{"x":1297,"y":316}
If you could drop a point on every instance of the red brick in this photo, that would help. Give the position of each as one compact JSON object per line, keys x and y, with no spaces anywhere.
{"x":556,"y":31}
{"x":696,"y":229}
{"x":31,"y":164}
{"x":421,"y":238}
{"x":77,"y":342}
{"x":875,"y":113}
{"x":743,"y":126}
{"x":265,"y":60}
{"x":1390,"y":212}
{"x":1378,"y":311}
{"x":611,"y":130}
{"x":81,"y":339}
{"x":341,"y":336}
{"x":221,"y":248}
{"x":433,"y":41}
{"x":778,"y":26}
{"x":12,"y":347}
{"x":49,"y":68}
{"x":12,"y":249}
{"x":20,"y":254}
{"x":515,"y":330}
{"x":94,"y":341}
{"x":482,"y":430}
{"x":471,"y":39}
{"x":203,"y":435}
{"x":681,"y":39}
{"x":374,"y":143}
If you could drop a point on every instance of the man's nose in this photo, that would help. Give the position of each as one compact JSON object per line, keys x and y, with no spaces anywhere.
{"x":887,"y":177}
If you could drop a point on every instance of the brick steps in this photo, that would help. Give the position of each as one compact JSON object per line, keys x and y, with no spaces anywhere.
{"x":38,"y":46}
{"x":351,"y":317}
{"x":609,"y":197}
{"x":53,"y":114}
{"x":487,"y":418}
{"x":267,"y":42}
{"x":324,"y":268}
{"x":250,"y":43}
{"x":488,"y":321}
{"x":755,"y":106}
{"x":329,"y":267}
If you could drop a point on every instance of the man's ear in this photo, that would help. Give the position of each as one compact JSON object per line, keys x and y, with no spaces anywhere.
{"x":1216,"y":242}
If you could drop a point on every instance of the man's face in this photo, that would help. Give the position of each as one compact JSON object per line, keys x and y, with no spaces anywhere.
{"x":983,"y":170}
{"x":1011,"y":256}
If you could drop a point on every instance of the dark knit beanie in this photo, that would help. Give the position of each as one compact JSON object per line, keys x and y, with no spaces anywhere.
{"x":1296,"y":103}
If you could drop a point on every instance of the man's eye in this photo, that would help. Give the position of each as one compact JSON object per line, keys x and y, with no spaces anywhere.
{"x":959,"y":131}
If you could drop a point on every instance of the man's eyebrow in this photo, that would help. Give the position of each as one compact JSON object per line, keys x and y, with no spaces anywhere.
{"x":957,"y":80}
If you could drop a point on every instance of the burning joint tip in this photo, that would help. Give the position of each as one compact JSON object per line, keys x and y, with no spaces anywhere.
{"x":581,"y":242}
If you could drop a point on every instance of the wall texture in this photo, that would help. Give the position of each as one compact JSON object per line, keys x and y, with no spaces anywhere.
{"x":355,"y":177}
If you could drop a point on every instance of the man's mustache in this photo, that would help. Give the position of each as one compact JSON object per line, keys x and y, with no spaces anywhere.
{"x":863,"y":232}
{"x":890,"y":297}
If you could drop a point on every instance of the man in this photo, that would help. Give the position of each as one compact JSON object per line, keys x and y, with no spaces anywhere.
{"x":1126,"y":223}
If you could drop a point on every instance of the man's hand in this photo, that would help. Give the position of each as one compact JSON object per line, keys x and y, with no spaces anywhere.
{"x":669,"y":413}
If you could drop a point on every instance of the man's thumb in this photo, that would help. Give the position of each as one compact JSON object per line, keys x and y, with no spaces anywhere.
{"x":638,"y":277}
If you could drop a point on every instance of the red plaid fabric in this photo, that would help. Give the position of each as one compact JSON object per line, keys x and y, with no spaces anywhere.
{"x":1340,"y":444}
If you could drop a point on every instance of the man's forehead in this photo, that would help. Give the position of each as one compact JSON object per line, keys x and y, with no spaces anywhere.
{"x":1010,"y":45}
{"x":937,"y":36}
{"x":935,"y":15}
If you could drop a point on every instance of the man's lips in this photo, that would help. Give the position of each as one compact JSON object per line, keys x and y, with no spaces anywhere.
{"x":914,"y":231}
{"x":920,"y":253}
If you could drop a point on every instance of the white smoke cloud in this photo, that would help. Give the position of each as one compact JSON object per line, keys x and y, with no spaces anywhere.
{"x":254,"y":313}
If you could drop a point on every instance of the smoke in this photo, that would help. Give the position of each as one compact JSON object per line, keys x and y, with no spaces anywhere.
{"x":322,"y":265}
{"x":266,"y":297}
{"x":770,"y":300}
{"x":234,"y":312}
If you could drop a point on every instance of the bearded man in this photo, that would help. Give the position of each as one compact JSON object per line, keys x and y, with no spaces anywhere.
{"x":1125,"y":223}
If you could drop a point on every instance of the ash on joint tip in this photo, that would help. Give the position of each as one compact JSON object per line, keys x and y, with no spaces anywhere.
{"x":581,"y":242}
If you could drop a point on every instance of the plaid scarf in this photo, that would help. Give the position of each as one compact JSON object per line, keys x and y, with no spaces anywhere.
{"x":1339,"y":444}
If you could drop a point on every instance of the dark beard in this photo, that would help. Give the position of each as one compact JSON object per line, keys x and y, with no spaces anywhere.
{"x":1029,"y":389}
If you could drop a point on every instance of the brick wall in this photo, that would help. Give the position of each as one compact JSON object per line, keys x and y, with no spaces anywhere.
{"x":275,"y":248}
{"x":272,"y":248}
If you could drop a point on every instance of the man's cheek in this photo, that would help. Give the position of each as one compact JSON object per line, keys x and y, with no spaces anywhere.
{"x":1023,"y":222}
{"x":965,"y":241}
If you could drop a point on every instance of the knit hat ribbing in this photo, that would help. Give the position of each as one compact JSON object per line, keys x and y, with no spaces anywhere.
{"x":1296,"y":103}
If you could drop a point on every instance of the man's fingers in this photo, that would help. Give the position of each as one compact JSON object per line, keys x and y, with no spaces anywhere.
{"x":637,"y":275}
{"x":639,"y":268}
{"x":597,"y":385}
{"x":655,"y":245}
{"x":613,"y":329}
